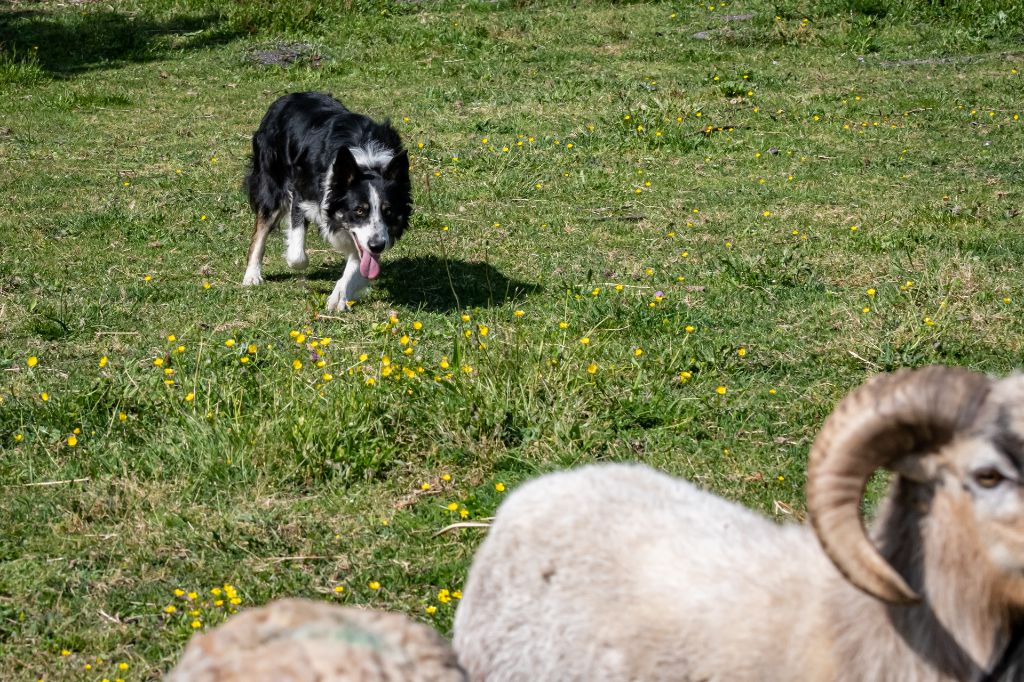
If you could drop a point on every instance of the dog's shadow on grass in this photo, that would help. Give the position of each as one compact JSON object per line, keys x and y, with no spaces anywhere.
{"x":436,"y":284}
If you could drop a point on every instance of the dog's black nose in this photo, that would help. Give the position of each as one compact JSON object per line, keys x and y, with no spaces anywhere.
{"x":376,"y":244}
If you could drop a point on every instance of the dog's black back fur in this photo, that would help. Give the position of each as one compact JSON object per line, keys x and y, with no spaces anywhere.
{"x":297,"y":143}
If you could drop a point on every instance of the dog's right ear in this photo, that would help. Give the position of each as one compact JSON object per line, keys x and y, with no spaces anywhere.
{"x":344,"y":171}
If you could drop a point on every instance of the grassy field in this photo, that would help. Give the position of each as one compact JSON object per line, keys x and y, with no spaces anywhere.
{"x":673,"y":233}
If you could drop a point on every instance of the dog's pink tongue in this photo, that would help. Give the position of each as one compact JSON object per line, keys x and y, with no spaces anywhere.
{"x":369,"y":264}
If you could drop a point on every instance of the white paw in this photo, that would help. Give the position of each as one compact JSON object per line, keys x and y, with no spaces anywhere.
{"x":297,"y":261}
{"x":252,"y":278}
{"x":337,"y":303}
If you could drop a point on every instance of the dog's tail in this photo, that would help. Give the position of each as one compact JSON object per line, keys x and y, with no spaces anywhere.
{"x":265,"y":182}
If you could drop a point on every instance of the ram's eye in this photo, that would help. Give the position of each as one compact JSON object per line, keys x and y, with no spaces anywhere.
{"x":988,"y":478}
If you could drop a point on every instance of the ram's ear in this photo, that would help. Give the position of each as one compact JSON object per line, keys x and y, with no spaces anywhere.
{"x":917,"y":468}
{"x":344,"y":171}
{"x":398,"y":168}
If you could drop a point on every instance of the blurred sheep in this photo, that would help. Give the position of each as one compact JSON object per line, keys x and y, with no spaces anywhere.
{"x":295,"y":640}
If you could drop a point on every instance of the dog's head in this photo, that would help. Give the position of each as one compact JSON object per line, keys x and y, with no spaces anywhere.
{"x":371,"y":203}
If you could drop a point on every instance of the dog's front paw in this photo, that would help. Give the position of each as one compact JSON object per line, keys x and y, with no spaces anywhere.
{"x":252,"y":278}
{"x":338,"y":303}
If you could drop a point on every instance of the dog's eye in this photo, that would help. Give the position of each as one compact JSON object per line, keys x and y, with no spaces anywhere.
{"x":360,"y":211}
{"x":988,"y":478}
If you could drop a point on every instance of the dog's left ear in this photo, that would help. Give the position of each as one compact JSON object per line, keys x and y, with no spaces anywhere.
{"x":398,"y":168}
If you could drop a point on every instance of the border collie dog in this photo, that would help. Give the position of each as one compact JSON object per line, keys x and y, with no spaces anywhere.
{"x":314,"y":161}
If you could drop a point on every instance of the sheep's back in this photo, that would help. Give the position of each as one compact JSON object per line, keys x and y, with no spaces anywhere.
{"x":619,"y":572}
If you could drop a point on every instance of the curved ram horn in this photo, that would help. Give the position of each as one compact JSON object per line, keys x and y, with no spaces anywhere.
{"x":891,"y":416}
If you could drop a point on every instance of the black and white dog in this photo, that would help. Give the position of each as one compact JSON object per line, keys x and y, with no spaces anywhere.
{"x":315,"y":161}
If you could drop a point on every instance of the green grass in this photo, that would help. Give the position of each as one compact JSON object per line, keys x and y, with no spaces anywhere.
{"x":124,"y":135}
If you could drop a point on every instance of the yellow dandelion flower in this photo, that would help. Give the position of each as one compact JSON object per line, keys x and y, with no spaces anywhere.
{"x":689,"y":329}
{"x":158,"y":362}
{"x":196,"y":624}
{"x":638,"y":352}
{"x":296,"y":364}
{"x":103,"y":361}
{"x":171,"y":608}
{"x":519,"y":313}
{"x":431,"y":610}
{"x":585,"y":340}
{"x":500,"y":487}
{"x":338,"y":589}
{"x":72,"y":441}
{"x":32,"y":361}
{"x":563,"y":325}
{"x":871,"y":291}
{"x":371,"y":381}
{"x":741,"y":352}
{"x":230,"y":343}
{"x":592,"y":368}
{"x":685,"y":376}
{"x":179,"y":592}
{"x":721,"y":390}
{"x":190,"y":397}
{"x":374,"y":585}
{"x":44,"y":396}
{"x":122,"y":666}
{"x":122,"y":416}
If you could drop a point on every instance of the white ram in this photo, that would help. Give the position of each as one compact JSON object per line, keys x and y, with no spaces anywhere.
{"x":618,"y":572}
